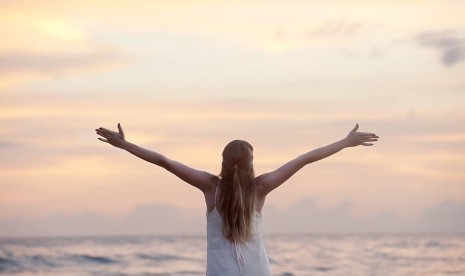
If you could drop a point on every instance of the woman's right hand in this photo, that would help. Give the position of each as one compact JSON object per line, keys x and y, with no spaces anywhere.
{"x":355,"y":138}
{"x":114,"y":138}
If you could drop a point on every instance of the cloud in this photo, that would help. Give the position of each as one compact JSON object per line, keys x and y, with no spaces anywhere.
{"x":450,"y":45}
{"x":306,"y":217}
{"x":335,"y":27}
{"x":40,"y":46}
{"x":143,"y":219}
{"x":8,"y":145}
{"x":19,"y":67}
{"x":51,"y":63}
{"x":445,"y":216}
{"x":442,"y":138}
{"x":303,"y":217}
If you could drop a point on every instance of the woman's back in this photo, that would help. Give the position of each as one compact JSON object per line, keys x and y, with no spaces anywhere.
{"x":231,"y":259}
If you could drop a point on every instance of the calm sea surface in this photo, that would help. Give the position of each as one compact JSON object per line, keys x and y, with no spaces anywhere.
{"x":186,"y":255}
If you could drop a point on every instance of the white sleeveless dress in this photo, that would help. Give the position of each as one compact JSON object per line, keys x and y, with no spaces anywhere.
{"x":228,"y":259}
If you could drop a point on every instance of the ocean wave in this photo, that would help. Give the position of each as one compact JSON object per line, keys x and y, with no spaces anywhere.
{"x":17,"y":264}
{"x":322,"y":268}
{"x":188,"y":272}
{"x":92,"y":259}
{"x":163,"y":257}
{"x":8,"y":265}
{"x":150,"y":256}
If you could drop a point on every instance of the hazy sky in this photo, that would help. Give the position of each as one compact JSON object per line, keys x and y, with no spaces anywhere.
{"x":186,"y":77}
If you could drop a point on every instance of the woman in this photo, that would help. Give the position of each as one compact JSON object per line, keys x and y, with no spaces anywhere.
{"x":235,"y":199}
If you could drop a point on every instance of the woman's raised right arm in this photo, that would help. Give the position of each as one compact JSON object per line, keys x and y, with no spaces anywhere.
{"x":199,"y":179}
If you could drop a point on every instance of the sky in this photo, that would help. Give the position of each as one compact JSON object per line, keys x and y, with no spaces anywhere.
{"x":186,"y":77}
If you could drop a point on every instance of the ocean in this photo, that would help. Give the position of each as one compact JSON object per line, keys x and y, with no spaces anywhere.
{"x":290,"y":255}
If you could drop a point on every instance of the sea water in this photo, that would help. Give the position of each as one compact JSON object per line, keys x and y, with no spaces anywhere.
{"x":289,"y":255}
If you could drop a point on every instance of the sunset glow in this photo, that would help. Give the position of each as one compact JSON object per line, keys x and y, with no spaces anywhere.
{"x":186,"y":77}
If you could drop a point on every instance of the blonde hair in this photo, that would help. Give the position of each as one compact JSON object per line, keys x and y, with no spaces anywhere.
{"x":237,"y":198}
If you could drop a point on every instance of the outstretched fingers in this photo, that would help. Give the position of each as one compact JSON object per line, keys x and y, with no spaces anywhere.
{"x":103,"y":140}
{"x":102,"y":133}
{"x":366,"y":139}
{"x":367,"y":134}
{"x":105,"y":133}
{"x":102,"y":129}
{"x":367,"y":144}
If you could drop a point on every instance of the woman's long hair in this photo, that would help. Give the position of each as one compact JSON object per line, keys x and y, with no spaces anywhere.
{"x":237,"y":198}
